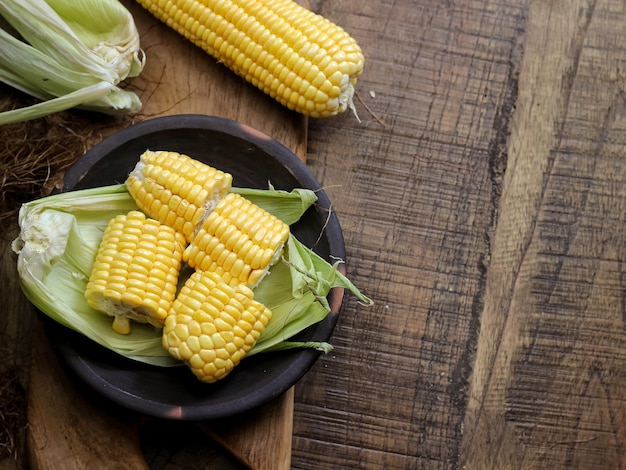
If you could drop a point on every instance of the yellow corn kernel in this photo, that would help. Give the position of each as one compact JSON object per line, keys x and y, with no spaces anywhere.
{"x":176,"y":190}
{"x":213,"y":337}
{"x":301,"y":59}
{"x":129,"y":280}
{"x":239,"y":240}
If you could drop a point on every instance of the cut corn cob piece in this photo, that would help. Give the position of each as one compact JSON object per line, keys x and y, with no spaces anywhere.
{"x":211,"y":326}
{"x":301,"y":59}
{"x":238,"y":240}
{"x":135,"y":274}
{"x":176,"y":190}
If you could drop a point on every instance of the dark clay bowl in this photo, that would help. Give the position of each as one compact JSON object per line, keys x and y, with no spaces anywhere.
{"x":253,"y":159}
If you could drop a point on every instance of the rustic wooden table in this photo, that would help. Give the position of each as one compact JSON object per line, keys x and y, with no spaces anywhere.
{"x":483,"y":202}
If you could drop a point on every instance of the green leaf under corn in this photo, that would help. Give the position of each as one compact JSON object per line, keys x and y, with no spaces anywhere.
{"x":297,"y":290}
{"x":287,"y":206}
{"x":60,"y":235}
{"x":56,"y":248}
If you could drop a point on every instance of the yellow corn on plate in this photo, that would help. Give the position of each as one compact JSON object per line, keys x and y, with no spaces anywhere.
{"x":238,"y":240}
{"x":176,"y":190}
{"x":211,"y":326}
{"x":135,"y":273}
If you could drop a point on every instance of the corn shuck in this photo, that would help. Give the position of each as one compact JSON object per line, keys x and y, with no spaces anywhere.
{"x":69,"y":53}
{"x":299,"y":58}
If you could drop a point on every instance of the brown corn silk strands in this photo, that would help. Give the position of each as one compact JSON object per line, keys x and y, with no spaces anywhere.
{"x":33,"y":154}
{"x":12,"y":418}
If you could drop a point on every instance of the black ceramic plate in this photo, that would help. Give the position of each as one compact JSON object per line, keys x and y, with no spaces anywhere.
{"x":254,"y":160}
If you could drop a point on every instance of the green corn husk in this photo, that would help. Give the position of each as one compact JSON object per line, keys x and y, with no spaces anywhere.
{"x":296,"y":290}
{"x":69,"y":53}
{"x":60,"y":235}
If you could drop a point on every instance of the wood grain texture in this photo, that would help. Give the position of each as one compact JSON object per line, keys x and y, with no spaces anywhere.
{"x":486,"y":220}
{"x":548,"y":383}
{"x":16,"y":323}
{"x":261,"y":451}
{"x":71,"y":428}
{"x":417,"y":201}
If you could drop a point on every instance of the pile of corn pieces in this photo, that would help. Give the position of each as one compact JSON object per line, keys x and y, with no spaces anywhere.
{"x":188,"y":217}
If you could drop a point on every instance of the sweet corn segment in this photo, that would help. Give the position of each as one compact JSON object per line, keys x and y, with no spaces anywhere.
{"x":301,"y":59}
{"x":135,"y":273}
{"x":176,"y":190}
{"x":238,"y":240}
{"x":211,"y":326}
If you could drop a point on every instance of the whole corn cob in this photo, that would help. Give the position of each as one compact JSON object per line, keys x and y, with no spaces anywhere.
{"x":301,"y":59}
{"x":211,"y":326}
{"x":176,"y":190}
{"x":135,"y":273}
{"x":238,"y":240}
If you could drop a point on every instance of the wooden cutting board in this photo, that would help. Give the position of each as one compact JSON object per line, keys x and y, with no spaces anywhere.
{"x":71,"y":428}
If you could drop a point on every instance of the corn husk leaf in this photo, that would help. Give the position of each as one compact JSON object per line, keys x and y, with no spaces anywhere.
{"x":58,"y":241}
{"x":297,"y":290}
{"x":60,"y":235}
{"x":287,"y":206}
{"x":69,"y":54}
{"x":55,"y":105}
